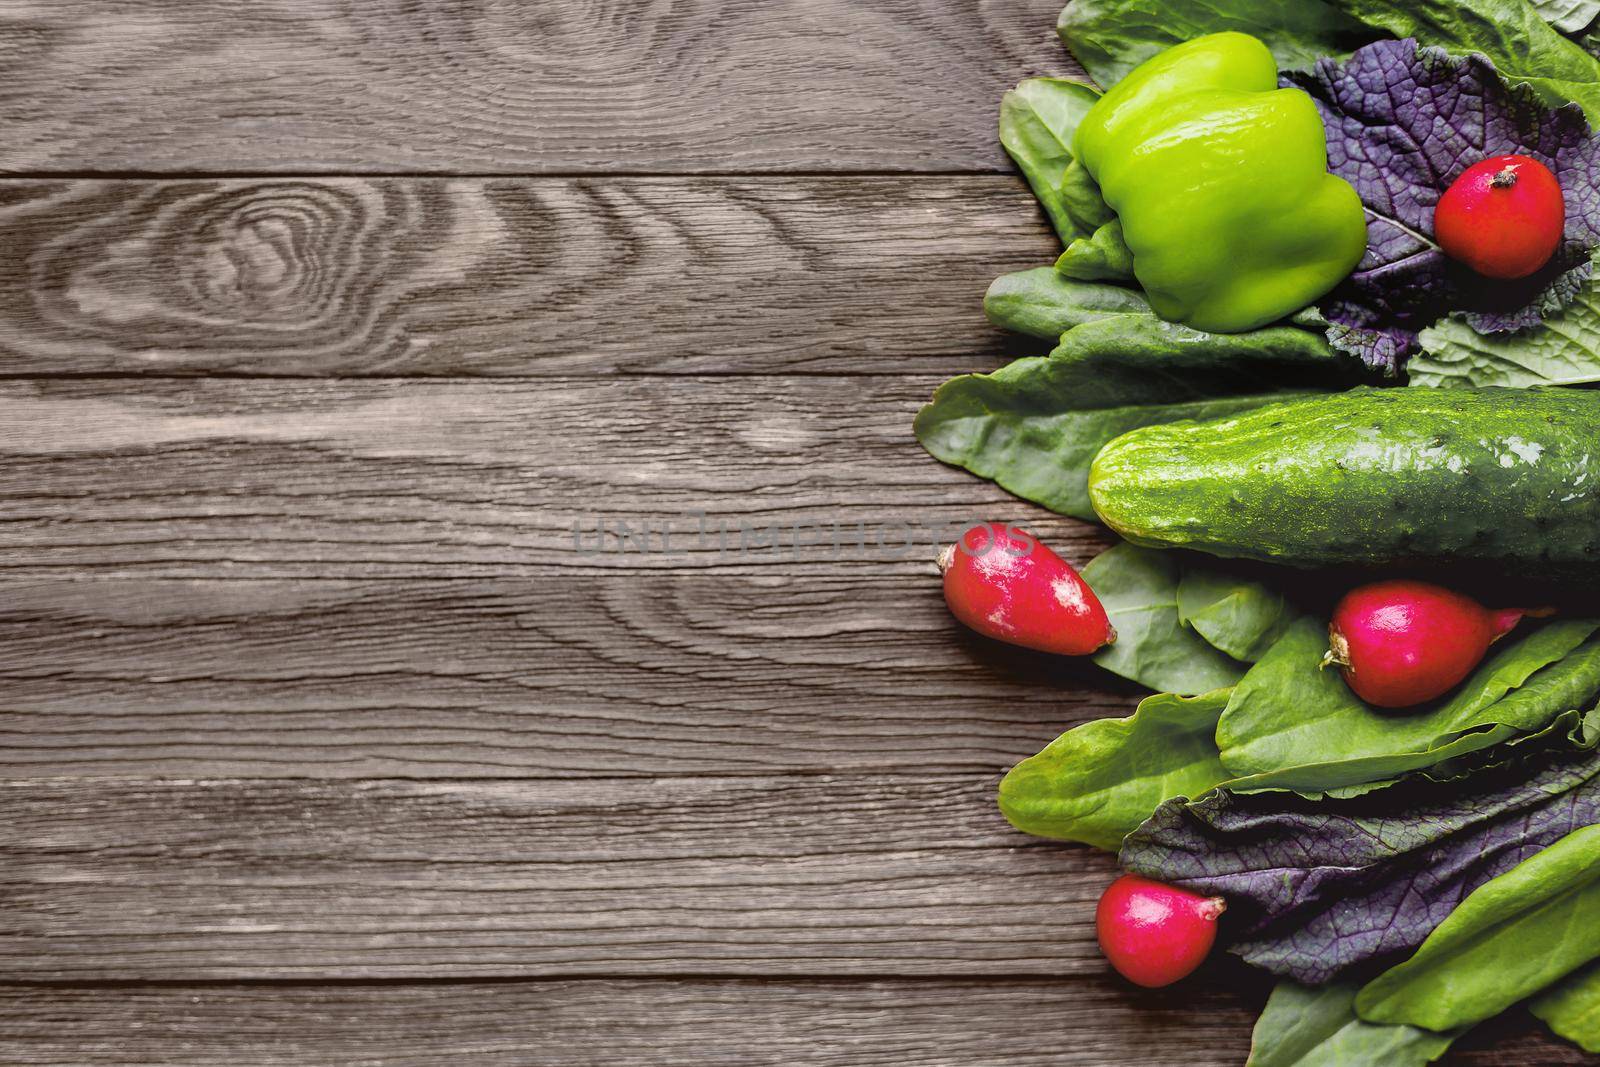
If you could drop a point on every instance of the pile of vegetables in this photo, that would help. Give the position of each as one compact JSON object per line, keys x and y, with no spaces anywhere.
{"x":1322,"y":324}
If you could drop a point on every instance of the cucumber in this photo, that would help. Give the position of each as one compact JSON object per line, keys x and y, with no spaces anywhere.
{"x":1371,"y":476}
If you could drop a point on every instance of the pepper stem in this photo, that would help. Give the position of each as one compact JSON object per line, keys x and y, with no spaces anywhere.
{"x":1505,"y":178}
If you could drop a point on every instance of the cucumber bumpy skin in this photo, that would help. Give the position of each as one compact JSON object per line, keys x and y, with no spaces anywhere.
{"x":1371,"y":476}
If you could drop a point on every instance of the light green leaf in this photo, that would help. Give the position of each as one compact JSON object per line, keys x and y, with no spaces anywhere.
{"x":1035,"y":426}
{"x":1044,"y":304}
{"x":1306,"y":1027}
{"x":1096,"y":783}
{"x":1568,"y":16}
{"x":1111,"y":37}
{"x":1302,"y":725}
{"x":1037,"y":121}
{"x":1512,"y":937}
{"x":1571,"y":1008}
{"x":1102,"y":256}
{"x":1139,"y":588}
{"x":1563,"y":350}
{"x":1241,"y":617}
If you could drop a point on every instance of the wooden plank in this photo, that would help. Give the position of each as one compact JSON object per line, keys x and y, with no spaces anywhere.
{"x":1073,"y":1023}
{"x":300,"y":86}
{"x":510,"y":277}
{"x":808,"y":875}
{"x":433,"y":478}
{"x":1083,"y":1022}
{"x":558,"y":674}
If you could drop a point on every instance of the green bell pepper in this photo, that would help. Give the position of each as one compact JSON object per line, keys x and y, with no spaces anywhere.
{"x":1221,"y":182}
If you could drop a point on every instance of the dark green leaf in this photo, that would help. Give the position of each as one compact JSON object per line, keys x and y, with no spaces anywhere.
{"x":1081,"y":196}
{"x":1301,"y":723}
{"x":1036,"y":425}
{"x":1044,"y":304}
{"x":1513,"y":937}
{"x":1139,"y":588}
{"x":1037,"y":121}
{"x":1305,"y":1027}
{"x":1510,"y":33}
{"x":1243,"y":618}
{"x":1100,"y":780}
{"x":1111,"y":37}
{"x":1102,"y":256}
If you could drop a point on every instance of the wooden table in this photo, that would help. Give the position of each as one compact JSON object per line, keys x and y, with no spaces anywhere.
{"x":332,"y":333}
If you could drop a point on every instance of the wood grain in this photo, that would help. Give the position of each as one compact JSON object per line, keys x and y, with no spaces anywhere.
{"x":427,"y":478}
{"x":609,"y":675}
{"x":1074,"y":1022}
{"x":1007,"y":1023}
{"x":804,"y":880}
{"x":792,"y":875}
{"x":489,"y":86}
{"x":509,"y":277}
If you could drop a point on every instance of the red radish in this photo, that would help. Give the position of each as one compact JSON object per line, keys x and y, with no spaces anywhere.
{"x":1503,"y":217}
{"x":1401,"y":642}
{"x":1004,"y":584}
{"x":1155,"y":934}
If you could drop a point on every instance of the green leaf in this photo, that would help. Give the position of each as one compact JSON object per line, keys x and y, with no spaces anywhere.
{"x":1241,"y":617}
{"x":1139,"y":588}
{"x":1512,"y":937}
{"x":1044,"y":304}
{"x":1568,"y":16}
{"x":1103,"y":255}
{"x":1522,"y":46}
{"x":1081,"y":195}
{"x":1563,"y":350}
{"x":1111,"y":37}
{"x":1035,"y":426}
{"x":1097,"y":782}
{"x":1037,"y":121}
{"x":1306,"y":1027}
{"x":1571,"y":1008}
{"x":1302,"y":725}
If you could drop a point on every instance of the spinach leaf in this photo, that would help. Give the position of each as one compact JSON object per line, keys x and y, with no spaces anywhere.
{"x":1042,"y":303}
{"x":1289,"y":717}
{"x":1564,"y":350}
{"x":1302,"y":1027}
{"x":1139,"y":588}
{"x":1103,"y":255}
{"x":1510,"y":33}
{"x":1512,"y":937}
{"x":1098,"y":781}
{"x":1035,"y":426}
{"x":1571,"y":1008}
{"x":1316,"y":888}
{"x":1111,"y":37}
{"x":1241,"y":617}
{"x":1037,"y":121}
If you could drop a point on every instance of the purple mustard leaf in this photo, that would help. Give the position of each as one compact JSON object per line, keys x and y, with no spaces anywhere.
{"x":1315,"y":888}
{"x":1402,"y":123}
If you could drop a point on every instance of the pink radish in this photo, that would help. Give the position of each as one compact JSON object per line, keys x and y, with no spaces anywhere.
{"x":1155,"y":934}
{"x":1401,"y":642}
{"x":1004,"y":584}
